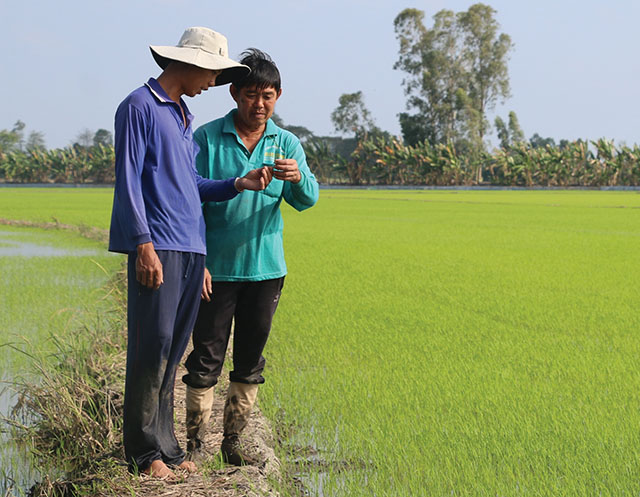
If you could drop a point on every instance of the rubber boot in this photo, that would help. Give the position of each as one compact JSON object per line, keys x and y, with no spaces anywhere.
{"x":237,"y":409}
{"x":199,"y":404}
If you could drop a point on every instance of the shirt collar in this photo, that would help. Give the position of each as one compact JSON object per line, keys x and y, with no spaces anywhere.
{"x":158,"y":92}
{"x":229,"y":125}
{"x":271,"y":129}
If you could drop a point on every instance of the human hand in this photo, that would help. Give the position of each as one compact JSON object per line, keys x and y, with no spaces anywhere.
{"x":287,"y":170}
{"x":207,"y":286}
{"x":148,"y":266}
{"x":256,"y":179}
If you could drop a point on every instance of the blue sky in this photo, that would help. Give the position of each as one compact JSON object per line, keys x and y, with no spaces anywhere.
{"x":66,"y":65}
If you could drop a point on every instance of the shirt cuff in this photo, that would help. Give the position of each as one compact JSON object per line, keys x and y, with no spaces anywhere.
{"x":303,"y":180}
{"x":235,"y":185}
{"x":140,"y":239}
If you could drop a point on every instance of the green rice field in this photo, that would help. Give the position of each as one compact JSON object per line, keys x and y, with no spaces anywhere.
{"x":77,"y":206}
{"x":458,"y":343}
{"x":50,"y":288}
{"x":47,"y":279}
{"x":438,"y":343}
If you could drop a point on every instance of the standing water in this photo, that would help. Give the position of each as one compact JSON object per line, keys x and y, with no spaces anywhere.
{"x":47,"y":280}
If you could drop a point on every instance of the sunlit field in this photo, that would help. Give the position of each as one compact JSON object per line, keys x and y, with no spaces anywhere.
{"x":75,"y":206}
{"x":433,"y":343}
{"x":461,"y":343}
{"x":50,"y":290}
{"x":47,"y":278}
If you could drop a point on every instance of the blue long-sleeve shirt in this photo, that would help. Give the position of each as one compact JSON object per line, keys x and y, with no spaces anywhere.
{"x":158,"y":193}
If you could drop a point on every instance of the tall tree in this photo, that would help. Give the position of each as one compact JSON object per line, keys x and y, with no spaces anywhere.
{"x":430,"y":59}
{"x":456,"y":71}
{"x":485,"y":53}
{"x":515,"y":131}
{"x":503,"y":132}
{"x":352,"y":116}
{"x":509,"y":134}
{"x":103,"y":137}
{"x":12,"y":139}
{"x":35,"y":141}
{"x":84,"y":138}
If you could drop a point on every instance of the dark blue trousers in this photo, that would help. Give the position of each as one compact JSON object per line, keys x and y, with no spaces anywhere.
{"x":160,"y":324}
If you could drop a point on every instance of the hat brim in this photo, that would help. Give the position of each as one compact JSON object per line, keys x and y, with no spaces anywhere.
{"x":231,"y":70}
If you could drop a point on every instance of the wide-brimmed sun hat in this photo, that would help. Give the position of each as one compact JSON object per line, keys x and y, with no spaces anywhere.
{"x":204,"y":48}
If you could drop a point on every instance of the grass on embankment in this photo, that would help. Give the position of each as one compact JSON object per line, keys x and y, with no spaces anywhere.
{"x":61,"y":341}
{"x":72,"y":407}
{"x":462,"y":343}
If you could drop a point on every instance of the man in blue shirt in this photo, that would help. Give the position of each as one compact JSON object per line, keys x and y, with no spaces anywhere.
{"x":157,"y":220}
{"x":245,"y":256}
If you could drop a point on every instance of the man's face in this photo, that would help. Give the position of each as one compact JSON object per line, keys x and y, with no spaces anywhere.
{"x":199,"y":80}
{"x":255,"y":105}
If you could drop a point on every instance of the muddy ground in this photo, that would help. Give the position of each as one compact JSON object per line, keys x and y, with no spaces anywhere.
{"x":231,"y":481}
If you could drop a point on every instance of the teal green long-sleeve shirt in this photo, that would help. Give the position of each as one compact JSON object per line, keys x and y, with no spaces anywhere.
{"x":244,"y":234}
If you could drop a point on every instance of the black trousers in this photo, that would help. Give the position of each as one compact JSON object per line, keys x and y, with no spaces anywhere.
{"x":252,"y":305}
{"x":160,"y":323}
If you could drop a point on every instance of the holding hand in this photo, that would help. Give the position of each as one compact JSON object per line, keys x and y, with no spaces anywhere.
{"x":287,"y":170}
{"x":256,"y":179}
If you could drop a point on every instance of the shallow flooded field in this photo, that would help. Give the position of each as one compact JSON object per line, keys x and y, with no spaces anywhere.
{"x":49,"y":282}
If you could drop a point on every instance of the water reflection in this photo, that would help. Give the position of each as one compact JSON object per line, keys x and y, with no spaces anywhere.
{"x":12,"y":247}
{"x":17,"y":473}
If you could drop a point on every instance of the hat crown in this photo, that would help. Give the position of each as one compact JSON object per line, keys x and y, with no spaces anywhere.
{"x":204,"y":39}
{"x":204,"y":48}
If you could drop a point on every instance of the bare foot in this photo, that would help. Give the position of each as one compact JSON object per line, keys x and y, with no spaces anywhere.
{"x":188,"y":466}
{"x":159,"y":469}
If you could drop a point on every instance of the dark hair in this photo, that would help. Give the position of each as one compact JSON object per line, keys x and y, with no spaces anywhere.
{"x":264,"y":73}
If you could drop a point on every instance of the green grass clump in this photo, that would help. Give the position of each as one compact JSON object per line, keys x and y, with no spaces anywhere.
{"x":461,"y":343}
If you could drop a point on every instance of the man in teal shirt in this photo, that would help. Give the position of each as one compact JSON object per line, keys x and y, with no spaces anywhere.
{"x":245,"y":257}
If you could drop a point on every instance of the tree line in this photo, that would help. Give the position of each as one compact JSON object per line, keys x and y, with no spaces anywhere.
{"x":455,"y":72}
{"x":381,"y":160}
{"x":90,"y":159}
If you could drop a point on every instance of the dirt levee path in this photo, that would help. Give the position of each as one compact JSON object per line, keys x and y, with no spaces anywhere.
{"x":230,"y":481}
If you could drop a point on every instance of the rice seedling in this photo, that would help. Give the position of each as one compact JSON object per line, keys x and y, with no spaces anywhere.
{"x":456,"y":343}
{"x":460,"y":343}
{"x":46,"y":279}
{"x":87,"y":207}
{"x":68,"y":414}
